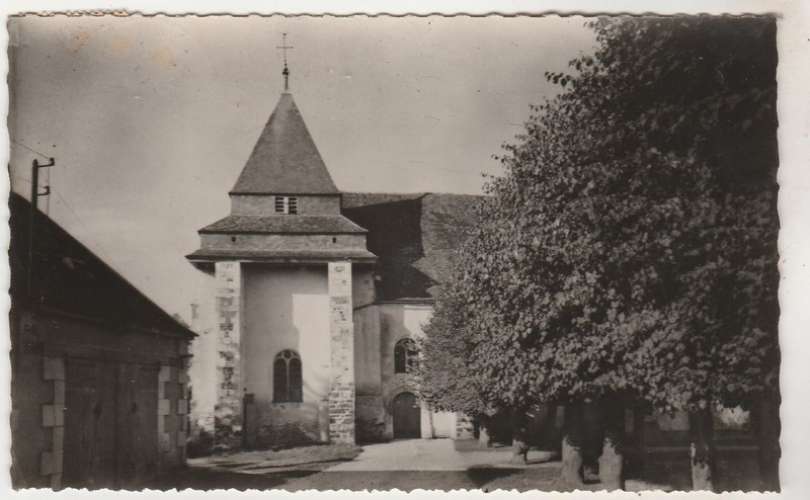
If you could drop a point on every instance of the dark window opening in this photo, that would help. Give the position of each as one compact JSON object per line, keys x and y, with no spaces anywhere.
{"x":406,"y":357}
{"x":287,"y":378}
{"x":286,"y":204}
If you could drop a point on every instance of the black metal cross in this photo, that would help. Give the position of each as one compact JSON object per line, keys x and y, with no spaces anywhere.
{"x":285,"y":72}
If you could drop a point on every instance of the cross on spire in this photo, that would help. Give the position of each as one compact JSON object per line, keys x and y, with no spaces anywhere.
{"x":286,"y":71}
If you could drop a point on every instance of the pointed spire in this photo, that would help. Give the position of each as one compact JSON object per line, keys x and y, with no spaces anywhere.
{"x":285,"y":159}
{"x":286,"y":71}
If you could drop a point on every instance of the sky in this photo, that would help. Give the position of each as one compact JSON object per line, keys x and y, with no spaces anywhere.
{"x":151,"y":119}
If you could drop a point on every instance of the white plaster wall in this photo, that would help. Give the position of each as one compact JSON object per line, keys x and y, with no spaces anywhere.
{"x":203,"y":378}
{"x":202,"y":368}
{"x":437,"y":424}
{"x":414,"y":318}
{"x":406,"y":321}
{"x":286,"y":308}
{"x":366,"y":319}
{"x":398,"y":321}
{"x":362,"y":285}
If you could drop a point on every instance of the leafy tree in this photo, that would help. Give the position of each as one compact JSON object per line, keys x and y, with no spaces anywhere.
{"x":630,"y":247}
{"x":451,"y":386}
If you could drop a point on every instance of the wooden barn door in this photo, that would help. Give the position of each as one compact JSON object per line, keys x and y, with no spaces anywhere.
{"x":407,"y":416}
{"x":137,"y":453}
{"x":89,"y":457}
{"x":110,"y":424}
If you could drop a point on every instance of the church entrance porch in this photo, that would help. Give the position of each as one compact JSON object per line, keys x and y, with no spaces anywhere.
{"x":407,"y":416}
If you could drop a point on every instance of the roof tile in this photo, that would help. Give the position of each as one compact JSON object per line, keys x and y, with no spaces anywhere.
{"x":284,"y":224}
{"x":285,"y":158}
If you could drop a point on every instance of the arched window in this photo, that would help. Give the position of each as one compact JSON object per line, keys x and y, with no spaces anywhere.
{"x":287,"y":380}
{"x":405,"y":356}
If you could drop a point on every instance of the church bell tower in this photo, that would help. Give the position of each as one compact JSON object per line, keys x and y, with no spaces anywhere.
{"x":283,"y":261}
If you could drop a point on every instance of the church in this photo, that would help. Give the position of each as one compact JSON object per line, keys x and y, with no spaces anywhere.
{"x":320,"y":297}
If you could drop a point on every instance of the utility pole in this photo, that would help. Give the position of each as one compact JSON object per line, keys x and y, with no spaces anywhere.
{"x":35,"y":194}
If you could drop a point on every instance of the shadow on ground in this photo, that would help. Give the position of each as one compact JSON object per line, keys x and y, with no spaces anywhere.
{"x":487,"y":479}
{"x":199,"y":478}
{"x":481,"y":476}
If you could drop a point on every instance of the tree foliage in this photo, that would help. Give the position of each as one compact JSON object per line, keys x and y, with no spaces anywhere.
{"x":447,"y":381}
{"x":630,"y":245}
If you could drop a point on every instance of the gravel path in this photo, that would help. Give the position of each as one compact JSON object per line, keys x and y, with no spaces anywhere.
{"x":430,"y":464}
{"x":432,"y":455}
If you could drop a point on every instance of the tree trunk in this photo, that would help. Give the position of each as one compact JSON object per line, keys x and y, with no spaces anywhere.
{"x":483,"y":436}
{"x":520,"y":446}
{"x":767,"y":427}
{"x":611,"y":462}
{"x":571,"y":471}
{"x":520,"y":451}
{"x":571,"y":463}
{"x":701,"y":450}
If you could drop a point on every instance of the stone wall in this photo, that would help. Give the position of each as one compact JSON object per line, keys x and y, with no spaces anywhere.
{"x":45,"y":344}
{"x":173,"y":408}
{"x":228,"y":409}
{"x":341,"y":331}
{"x":53,"y":418}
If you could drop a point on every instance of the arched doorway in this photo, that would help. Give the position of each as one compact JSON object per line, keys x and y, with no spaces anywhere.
{"x":406,"y":416}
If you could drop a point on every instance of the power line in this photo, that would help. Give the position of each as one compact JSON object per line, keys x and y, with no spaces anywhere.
{"x":29,"y":148}
{"x":100,"y":249}
{"x":64,"y":202}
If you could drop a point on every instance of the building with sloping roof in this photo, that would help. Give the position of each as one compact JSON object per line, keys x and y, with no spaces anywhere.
{"x":99,"y":384}
{"x":320,"y":295}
